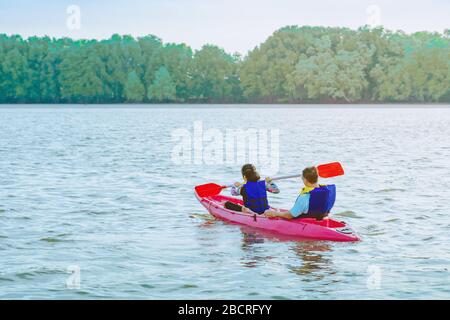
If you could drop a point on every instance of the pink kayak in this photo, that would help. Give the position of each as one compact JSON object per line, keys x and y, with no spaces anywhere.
{"x":304,"y":228}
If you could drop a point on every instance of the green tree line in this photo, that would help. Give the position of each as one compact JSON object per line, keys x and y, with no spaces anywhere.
{"x":294,"y":65}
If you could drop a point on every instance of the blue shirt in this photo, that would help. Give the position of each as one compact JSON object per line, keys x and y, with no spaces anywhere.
{"x":301,"y":205}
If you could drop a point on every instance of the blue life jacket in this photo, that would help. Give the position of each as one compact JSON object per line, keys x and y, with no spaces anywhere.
{"x":255,"y":196}
{"x":322,"y":200}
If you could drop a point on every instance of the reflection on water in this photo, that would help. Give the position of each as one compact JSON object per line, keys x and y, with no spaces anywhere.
{"x":249,"y":238}
{"x":253,"y":255}
{"x":313,"y":259}
{"x":311,"y":254}
{"x":208,"y":220}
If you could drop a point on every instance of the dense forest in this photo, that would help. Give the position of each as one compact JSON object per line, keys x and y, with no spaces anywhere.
{"x":294,"y":65}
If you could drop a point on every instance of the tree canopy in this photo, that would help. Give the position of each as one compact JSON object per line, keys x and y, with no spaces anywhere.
{"x":294,"y":65}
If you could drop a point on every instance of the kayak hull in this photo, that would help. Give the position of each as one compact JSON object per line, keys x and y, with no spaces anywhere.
{"x":304,"y":228}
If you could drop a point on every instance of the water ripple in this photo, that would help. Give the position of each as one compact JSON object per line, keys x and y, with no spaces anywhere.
{"x":96,"y":189}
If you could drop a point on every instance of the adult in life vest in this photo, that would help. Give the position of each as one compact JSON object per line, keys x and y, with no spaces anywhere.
{"x":253,"y":191}
{"x":314,"y":200}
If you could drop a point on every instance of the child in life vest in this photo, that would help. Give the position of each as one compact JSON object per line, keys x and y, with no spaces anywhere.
{"x":314,"y":200}
{"x":253,"y":191}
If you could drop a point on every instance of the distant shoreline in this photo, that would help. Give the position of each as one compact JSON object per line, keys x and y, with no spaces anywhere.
{"x":295,"y":65}
{"x":228,"y":105}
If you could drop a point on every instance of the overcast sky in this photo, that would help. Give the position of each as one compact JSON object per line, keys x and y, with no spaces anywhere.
{"x":235,"y":25}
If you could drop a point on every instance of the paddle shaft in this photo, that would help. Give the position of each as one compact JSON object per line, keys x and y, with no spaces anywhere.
{"x":328,"y":170}
{"x":273,"y":179}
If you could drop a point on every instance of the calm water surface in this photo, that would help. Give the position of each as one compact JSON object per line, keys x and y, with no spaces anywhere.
{"x":96,"y":188}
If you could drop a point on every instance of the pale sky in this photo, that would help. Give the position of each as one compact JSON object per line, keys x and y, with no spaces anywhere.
{"x":236,"y":26}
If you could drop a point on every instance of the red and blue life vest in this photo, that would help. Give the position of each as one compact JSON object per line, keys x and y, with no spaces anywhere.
{"x":255,"y":196}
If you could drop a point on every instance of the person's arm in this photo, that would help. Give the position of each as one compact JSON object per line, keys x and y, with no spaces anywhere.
{"x":271,"y":186}
{"x":301,"y":206}
{"x":236,"y":189}
{"x":273,"y":213}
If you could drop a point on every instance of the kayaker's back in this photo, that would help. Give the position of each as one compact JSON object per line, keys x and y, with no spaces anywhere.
{"x":254,"y":195}
{"x":321,"y":201}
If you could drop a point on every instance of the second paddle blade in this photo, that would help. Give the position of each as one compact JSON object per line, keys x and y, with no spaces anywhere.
{"x":330,"y":170}
{"x":209,"y":189}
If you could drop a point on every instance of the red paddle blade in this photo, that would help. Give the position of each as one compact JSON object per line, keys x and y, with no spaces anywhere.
{"x":330,"y":170}
{"x":209,"y":189}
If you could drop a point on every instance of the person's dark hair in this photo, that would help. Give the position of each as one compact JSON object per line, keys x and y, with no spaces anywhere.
{"x":310,"y":174}
{"x":250,"y":173}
